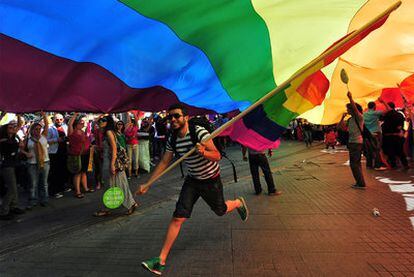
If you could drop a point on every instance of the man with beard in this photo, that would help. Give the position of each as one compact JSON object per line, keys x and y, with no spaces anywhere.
{"x":203,"y":180}
{"x":58,"y":154}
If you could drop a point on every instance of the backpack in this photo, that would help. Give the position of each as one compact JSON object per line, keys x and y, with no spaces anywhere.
{"x":202,"y":122}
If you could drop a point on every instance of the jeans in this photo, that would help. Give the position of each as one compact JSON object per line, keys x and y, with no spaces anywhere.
{"x":355,"y":152}
{"x":307,"y":137}
{"x":373,"y":151}
{"x":256,"y":161}
{"x":38,"y":185}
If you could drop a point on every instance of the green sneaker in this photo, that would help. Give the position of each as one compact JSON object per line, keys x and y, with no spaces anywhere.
{"x":153,"y":265}
{"x":243,"y":210}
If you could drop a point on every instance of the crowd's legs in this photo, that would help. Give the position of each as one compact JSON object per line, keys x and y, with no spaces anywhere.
{"x":393,"y":147}
{"x":11,"y":199}
{"x":355,"y":152}
{"x":133,"y":154}
{"x":38,"y":186}
{"x":256,"y":161}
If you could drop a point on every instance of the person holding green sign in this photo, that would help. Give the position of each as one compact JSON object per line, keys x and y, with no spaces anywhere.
{"x":115,"y":177}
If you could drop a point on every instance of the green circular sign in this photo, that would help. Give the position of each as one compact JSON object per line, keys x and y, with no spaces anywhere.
{"x":113,"y":198}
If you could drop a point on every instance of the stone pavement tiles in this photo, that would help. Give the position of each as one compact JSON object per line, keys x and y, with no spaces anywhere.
{"x":319,"y":226}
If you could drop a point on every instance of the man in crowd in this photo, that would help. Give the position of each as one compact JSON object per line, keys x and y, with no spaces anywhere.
{"x":372,"y":123}
{"x":57,"y":138}
{"x":355,"y":126}
{"x":393,"y":137}
{"x":258,"y":159}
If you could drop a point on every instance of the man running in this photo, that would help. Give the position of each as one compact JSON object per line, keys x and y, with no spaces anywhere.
{"x":203,"y":180}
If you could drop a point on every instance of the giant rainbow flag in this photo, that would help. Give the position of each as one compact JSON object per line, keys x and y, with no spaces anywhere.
{"x":382,"y":60}
{"x":111,"y":56}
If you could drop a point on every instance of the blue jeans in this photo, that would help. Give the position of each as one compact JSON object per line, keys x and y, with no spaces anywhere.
{"x":38,"y":183}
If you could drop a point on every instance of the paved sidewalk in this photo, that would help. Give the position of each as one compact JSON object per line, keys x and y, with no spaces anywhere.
{"x":318,"y":226}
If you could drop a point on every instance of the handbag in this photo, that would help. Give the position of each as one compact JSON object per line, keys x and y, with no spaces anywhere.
{"x":122,"y":159}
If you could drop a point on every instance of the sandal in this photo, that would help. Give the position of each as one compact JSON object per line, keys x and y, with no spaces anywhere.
{"x":132,"y":209}
{"x":101,"y":213}
{"x":89,"y":190}
{"x":79,"y":195}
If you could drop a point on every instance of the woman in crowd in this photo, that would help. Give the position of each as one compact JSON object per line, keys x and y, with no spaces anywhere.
{"x":120,"y":133}
{"x":9,"y":148}
{"x":110,"y":174}
{"x":79,"y":145}
{"x":144,"y":146}
{"x":132,"y":145}
{"x":38,"y":162}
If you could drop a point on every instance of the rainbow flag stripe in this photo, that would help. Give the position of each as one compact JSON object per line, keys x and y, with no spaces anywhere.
{"x":112,"y":56}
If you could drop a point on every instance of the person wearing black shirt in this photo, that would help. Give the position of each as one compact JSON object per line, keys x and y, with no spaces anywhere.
{"x":393,"y":137}
{"x":9,"y":150}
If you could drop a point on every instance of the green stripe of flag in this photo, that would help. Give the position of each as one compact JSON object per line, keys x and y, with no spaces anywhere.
{"x":232,"y":35}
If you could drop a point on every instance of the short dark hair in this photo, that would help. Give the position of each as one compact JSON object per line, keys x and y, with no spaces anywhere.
{"x":391,"y":104}
{"x":359,"y":108}
{"x":179,"y":106}
{"x":371,"y":105}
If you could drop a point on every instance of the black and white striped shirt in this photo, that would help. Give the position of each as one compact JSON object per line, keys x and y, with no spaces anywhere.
{"x":198,"y":166}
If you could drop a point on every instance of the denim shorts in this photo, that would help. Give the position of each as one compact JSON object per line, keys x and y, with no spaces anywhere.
{"x":211,"y":190}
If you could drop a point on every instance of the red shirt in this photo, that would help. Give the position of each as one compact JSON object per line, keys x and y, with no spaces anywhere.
{"x":76,"y":141}
{"x":330,"y":137}
{"x":131,"y":134}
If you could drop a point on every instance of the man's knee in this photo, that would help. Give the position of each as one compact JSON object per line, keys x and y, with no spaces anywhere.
{"x":220,"y":212}
{"x":178,"y":220}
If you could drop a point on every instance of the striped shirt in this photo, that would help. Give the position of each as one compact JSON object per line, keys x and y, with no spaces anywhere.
{"x":198,"y":166}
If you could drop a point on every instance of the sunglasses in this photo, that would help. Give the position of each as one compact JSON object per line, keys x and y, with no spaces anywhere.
{"x":102,"y":120}
{"x":174,"y":115}
{"x":12,"y":126}
{"x":59,"y":119}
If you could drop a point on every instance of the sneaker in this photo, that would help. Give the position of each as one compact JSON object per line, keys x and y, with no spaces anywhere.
{"x":68,"y":190}
{"x":276,"y":193}
{"x":357,"y":187}
{"x":153,"y":265}
{"x":381,"y":168}
{"x":58,"y":195}
{"x":242,"y":210}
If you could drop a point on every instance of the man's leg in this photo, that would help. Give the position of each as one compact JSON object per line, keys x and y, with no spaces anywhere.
{"x":172,"y":234}
{"x":188,"y":197}
{"x":213,"y":195}
{"x":254,"y":170}
{"x":264,"y":165}
{"x":400,"y":151}
{"x":355,"y":151}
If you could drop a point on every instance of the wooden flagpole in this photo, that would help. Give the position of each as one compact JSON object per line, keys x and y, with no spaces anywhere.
{"x":285,"y":84}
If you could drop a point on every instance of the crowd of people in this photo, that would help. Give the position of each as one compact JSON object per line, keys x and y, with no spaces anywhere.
{"x":50,"y":155}
{"x":384,"y":137}
{"x":54,"y":154}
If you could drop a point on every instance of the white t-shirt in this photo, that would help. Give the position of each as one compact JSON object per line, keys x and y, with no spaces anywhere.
{"x":31,"y":147}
